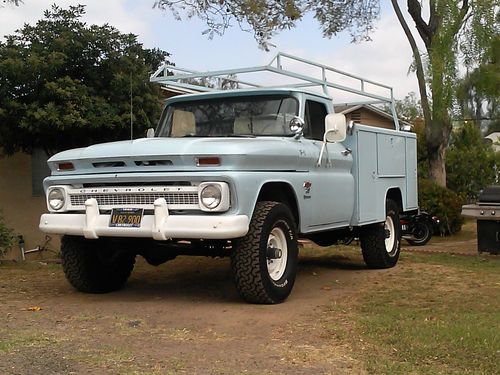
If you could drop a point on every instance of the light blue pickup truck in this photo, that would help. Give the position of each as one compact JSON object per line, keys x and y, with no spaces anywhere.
{"x":241,"y":173}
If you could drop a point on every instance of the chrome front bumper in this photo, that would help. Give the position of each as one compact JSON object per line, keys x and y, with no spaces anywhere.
{"x":159,"y":226}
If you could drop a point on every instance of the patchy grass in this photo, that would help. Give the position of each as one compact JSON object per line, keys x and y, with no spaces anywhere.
{"x":466,"y":263}
{"x":25,"y":339}
{"x":434,"y":313}
{"x":468,"y":232}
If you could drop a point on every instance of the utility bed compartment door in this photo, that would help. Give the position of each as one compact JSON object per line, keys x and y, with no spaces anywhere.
{"x":367,"y":177}
{"x":391,"y":155}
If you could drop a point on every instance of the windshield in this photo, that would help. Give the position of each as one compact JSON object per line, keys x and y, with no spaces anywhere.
{"x":226,"y":117}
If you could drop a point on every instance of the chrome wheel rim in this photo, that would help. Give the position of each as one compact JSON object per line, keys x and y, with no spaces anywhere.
{"x":276,"y":267}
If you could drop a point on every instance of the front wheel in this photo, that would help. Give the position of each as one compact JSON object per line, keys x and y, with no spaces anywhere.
{"x":381,"y":243}
{"x":95,"y":266}
{"x":264,"y":262}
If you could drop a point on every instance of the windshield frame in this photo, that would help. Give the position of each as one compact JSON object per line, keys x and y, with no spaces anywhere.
{"x":164,"y":127}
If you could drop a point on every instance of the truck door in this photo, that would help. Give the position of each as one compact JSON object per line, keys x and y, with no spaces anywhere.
{"x":331,"y":193}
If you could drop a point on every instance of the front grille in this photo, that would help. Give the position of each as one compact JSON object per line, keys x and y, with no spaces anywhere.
{"x":130,"y":199}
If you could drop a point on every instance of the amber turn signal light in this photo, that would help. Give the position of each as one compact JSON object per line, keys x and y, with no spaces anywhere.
{"x":208,"y":161}
{"x":65,"y":167}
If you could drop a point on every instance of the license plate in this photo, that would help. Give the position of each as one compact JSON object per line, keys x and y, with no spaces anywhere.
{"x":403,"y":227}
{"x":126,"y":217}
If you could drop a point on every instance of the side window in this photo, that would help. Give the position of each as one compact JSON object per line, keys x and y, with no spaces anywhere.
{"x":315,"y":120}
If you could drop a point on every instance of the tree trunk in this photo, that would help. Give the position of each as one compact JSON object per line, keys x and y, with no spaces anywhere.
{"x":437,"y":166}
{"x":435,"y":142}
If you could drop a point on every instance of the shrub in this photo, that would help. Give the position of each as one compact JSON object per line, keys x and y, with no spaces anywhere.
{"x":6,"y":237}
{"x":470,"y":162}
{"x":443,"y":203}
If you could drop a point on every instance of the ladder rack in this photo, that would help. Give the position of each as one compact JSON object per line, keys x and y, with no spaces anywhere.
{"x":173,"y":76}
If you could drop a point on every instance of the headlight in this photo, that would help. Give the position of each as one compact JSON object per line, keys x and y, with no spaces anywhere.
{"x":211,"y":196}
{"x":56,"y":199}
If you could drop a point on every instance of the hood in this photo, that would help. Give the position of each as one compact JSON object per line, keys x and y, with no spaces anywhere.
{"x":179,"y":154}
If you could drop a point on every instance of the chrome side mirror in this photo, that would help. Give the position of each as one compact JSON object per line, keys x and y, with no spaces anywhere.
{"x":296,"y":125}
{"x":150,"y":133}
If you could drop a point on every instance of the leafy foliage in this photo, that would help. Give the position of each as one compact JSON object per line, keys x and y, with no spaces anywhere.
{"x":455,"y":31}
{"x":12,"y":2}
{"x":479,"y":91}
{"x":442,"y":202}
{"x":6,"y":237}
{"x":409,"y":109}
{"x":470,"y":162}
{"x":65,"y":84}
{"x":265,"y":17}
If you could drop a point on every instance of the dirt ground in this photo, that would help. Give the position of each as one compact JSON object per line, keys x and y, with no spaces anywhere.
{"x":182,"y":317}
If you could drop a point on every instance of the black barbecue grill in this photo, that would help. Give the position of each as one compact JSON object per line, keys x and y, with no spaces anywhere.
{"x":487,"y":214}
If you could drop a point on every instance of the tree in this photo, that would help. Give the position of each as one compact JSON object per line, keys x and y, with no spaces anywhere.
{"x":453,"y":27}
{"x":12,"y":2}
{"x":471,"y":162}
{"x":409,"y":109}
{"x":479,"y":92}
{"x":65,"y":84}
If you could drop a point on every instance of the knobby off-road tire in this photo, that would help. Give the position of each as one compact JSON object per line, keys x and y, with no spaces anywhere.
{"x":258,"y":277}
{"x":381,"y":243}
{"x":95,"y":266}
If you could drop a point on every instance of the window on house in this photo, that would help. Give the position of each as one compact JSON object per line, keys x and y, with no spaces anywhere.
{"x":315,"y":120}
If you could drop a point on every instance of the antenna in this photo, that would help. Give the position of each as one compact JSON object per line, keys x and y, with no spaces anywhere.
{"x":131,"y":110}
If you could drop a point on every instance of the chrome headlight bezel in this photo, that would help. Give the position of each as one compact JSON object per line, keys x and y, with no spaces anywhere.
{"x":56,"y":199}
{"x":214,"y":196}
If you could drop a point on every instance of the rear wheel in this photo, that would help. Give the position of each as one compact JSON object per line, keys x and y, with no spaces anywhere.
{"x":381,"y":243}
{"x":422,"y":233}
{"x":95,"y":266}
{"x":264,"y":262}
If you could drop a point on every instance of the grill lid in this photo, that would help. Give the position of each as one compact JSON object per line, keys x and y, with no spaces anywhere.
{"x":490,"y":195}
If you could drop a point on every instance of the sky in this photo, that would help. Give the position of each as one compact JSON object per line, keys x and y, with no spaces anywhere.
{"x":385,"y":59}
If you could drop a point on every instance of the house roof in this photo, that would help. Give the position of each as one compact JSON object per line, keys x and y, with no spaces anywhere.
{"x":178,"y":90}
{"x":345,"y":109}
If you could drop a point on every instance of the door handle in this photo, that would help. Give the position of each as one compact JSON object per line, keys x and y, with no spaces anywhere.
{"x":346,"y":152}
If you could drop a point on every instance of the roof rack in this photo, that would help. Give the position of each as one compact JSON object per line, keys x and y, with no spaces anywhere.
{"x":173,"y":76}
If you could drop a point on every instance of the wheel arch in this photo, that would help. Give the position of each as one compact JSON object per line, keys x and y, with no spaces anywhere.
{"x":281,"y":192}
{"x":395,"y":195}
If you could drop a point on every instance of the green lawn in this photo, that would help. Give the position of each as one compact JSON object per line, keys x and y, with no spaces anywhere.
{"x":433,"y":314}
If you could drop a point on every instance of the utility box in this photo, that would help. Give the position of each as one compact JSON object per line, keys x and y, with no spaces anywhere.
{"x":487,"y":214}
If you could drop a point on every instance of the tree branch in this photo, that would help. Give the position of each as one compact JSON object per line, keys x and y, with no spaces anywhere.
{"x":418,"y":62}
{"x":434,"y":20}
{"x":463,"y":16}
{"x":415,"y":11}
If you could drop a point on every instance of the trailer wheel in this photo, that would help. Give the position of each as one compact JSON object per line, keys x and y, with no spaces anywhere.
{"x":264,"y":262}
{"x":381,"y":243}
{"x":95,"y":266}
